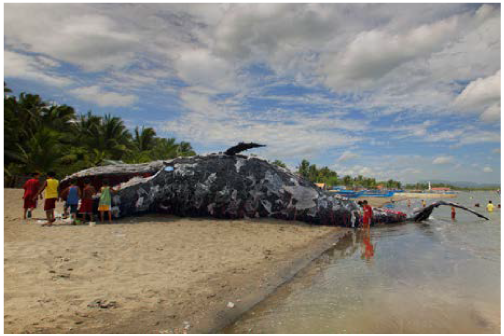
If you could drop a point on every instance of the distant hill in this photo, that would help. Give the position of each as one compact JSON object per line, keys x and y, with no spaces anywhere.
{"x":464,"y":184}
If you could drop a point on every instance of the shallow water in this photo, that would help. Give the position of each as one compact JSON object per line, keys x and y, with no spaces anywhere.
{"x":440,"y":276}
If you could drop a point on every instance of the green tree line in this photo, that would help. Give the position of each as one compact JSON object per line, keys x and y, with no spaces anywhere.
{"x":425,"y":186}
{"x":40,"y":136}
{"x":331,"y":178}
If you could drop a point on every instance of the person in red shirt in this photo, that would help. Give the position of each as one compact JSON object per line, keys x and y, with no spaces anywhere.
{"x":31,"y":188}
{"x":368,"y":214}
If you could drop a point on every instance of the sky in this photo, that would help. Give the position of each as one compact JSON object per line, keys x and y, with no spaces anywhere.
{"x":403,"y":91}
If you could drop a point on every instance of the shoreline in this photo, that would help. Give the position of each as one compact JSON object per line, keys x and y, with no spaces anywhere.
{"x":384,"y":296}
{"x":163,"y":274}
{"x":217,"y":319}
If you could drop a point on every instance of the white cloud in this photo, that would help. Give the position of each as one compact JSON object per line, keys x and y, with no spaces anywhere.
{"x":347,"y":155}
{"x":286,"y":134}
{"x":104,"y":98}
{"x":198,"y":67}
{"x":479,"y":137}
{"x":487,"y":170}
{"x":73,"y":33}
{"x":32,"y":68}
{"x":491,"y":114}
{"x":372,"y":54}
{"x":442,"y":160}
{"x":466,"y":135}
{"x":357,"y":170}
{"x":480,"y":93}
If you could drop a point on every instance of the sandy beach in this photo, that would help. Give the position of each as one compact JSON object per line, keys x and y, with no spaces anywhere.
{"x":152,"y":274}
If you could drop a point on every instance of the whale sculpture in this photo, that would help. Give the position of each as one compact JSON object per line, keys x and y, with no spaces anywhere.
{"x":228,"y":185}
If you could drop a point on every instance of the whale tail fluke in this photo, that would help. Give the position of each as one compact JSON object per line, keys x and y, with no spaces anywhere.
{"x":242,"y":147}
{"x":426,"y":212}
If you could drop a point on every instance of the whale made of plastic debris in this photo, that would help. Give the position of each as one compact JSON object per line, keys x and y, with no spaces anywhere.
{"x":230,"y":186}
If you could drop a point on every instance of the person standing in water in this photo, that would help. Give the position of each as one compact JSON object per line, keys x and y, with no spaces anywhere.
{"x":424,"y":204}
{"x":105,"y":204}
{"x":490,"y":206}
{"x":368,"y":214}
{"x":453,"y":213}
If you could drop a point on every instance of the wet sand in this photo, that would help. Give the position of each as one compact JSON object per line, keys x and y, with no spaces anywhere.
{"x":151,"y":274}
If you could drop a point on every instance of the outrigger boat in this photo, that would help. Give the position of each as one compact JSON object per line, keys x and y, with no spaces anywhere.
{"x":363,"y":193}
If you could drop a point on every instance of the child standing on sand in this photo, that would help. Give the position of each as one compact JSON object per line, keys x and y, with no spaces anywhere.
{"x":51,"y":196}
{"x":31,"y":188}
{"x":87,"y":200}
{"x":73,"y":195}
{"x":106,"y":201}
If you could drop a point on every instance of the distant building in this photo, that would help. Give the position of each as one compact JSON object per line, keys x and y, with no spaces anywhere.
{"x":380,"y":186}
{"x":320,"y":185}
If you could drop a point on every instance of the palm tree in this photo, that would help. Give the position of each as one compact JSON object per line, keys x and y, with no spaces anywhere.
{"x":313,"y":173}
{"x":6,"y":89}
{"x":106,"y":135}
{"x":41,"y":152}
{"x":24,"y":114}
{"x":144,"y":140}
{"x":12,"y":130}
{"x":40,"y":136}
{"x":185,"y":149}
{"x":58,"y":117}
{"x":303,"y":168}
{"x":347,"y":180}
{"x":164,"y":148}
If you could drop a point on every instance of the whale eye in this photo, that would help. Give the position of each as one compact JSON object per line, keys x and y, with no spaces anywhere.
{"x":168,"y":168}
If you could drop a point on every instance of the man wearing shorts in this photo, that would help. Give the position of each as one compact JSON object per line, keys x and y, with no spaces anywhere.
{"x":87,"y":200}
{"x":31,"y":188}
{"x":73,"y":194}
{"x":51,"y":196}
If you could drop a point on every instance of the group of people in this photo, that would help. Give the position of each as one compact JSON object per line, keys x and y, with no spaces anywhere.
{"x":490,"y":206}
{"x":71,"y":195}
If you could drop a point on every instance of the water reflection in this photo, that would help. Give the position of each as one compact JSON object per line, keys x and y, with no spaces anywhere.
{"x":367,"y":247}
{"x":411,"y":278}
